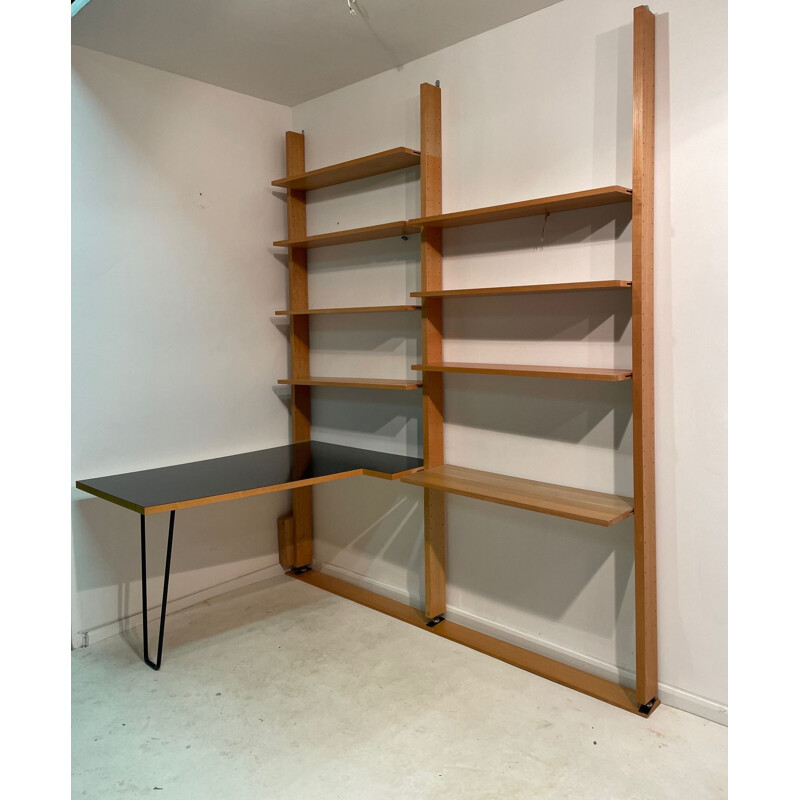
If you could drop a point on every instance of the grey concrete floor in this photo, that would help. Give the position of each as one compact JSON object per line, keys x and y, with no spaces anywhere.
{"x":282,"y":690}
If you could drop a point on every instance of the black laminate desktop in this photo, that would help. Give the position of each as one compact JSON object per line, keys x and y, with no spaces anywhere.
{"x":216,"y":480}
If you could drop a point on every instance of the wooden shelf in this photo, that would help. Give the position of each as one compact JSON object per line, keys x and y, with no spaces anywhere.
{"x":607,"y":195}
{"x":355,"y":383}
{"x":530,"y":289}
{"x":384,"y":231}
{"x":353,"y":310}
{"x":529,"y":371}
{"x":357,"y":168}
{"x":548,"y":498}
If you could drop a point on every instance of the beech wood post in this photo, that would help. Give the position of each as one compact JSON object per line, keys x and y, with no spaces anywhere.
{"x":299,"y":343}
{"x":432,"y":383}
{"x":644,"y":503}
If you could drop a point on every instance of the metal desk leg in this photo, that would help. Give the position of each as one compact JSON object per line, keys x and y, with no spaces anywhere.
{"x":157,"y":664}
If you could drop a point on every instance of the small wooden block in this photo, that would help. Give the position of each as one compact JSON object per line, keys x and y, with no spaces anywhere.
{"x":286,"y":541}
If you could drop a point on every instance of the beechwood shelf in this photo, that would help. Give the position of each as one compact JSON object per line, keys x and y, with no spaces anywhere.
{"x":527,"y":289}
{"x":607,"y":195}
{"x":355,"y":383}
{"x":597,"y":508}
{"x":357,"y":168}
{"x":352,"y":310}
{"x":529,"y":371}
{"x":385,"y":230}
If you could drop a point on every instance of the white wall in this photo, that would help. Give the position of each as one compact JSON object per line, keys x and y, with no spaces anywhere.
{"x":542,"y":106}
{"x":175,"y":353}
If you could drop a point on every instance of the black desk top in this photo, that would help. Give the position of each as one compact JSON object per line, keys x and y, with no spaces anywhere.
{"x":231,"y":477}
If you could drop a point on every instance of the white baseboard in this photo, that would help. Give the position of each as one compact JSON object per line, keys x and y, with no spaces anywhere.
{"x":91,"y":636}
{"x":669,"y":695}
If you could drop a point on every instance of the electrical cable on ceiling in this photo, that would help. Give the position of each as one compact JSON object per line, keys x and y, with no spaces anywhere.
{"x":357,"y":11}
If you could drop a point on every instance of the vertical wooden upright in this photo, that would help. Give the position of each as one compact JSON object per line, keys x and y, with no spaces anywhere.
{"x":299,"y":343}
{"x":643,"y":370}
{"x":432,"y":383}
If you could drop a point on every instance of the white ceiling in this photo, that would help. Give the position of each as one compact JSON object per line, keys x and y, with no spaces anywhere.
{"x":287,"y":51}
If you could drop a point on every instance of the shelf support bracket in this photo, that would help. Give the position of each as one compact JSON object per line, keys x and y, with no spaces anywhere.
{"x":156,"y":665}
{"x":646,"y":708}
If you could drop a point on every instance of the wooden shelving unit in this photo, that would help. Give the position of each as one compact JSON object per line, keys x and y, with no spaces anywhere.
{"x":540,"y":288}
{"x":352,"y":310}
{"x":529,"y":371}
{"x":437,"y":478}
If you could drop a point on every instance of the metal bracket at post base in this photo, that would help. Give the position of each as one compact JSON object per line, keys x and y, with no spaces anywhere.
{"x":301,"y":570}
{"x":646,"y":708}
{"x":432,"y":623}
{"x":145,"y":647}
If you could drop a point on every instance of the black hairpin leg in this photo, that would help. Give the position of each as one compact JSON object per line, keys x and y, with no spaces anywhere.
{"x":157,"y":664}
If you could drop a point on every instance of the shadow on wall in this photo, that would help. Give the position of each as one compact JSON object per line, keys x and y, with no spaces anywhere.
{"x":383,"y":535}
{"x":580,"y":227}
{"x":612,"y":136}
{"x":499,"y":557}
{"x":547,"y":409}
{"x":590,"y":316}
{"x":389,"y":184}
{"x":107,"y":554}
{"x":380,"y":332}
{"x":382,"y":420}
{"x":541,"y":566}
{"x":381,"y":272}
